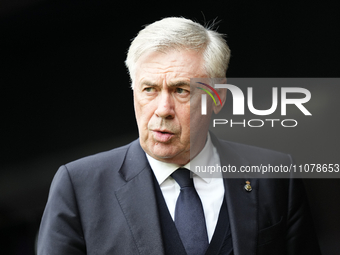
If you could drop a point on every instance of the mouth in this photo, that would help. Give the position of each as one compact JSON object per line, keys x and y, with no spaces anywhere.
{"x":162,"y":136}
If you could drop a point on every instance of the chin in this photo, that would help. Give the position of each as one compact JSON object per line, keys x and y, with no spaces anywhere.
{"x":176,"y":158}
{"x":166,"y":156}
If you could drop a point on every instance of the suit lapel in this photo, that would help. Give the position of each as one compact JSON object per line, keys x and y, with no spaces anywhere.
{"x":138,"y":202}
{"x":242,"y":205}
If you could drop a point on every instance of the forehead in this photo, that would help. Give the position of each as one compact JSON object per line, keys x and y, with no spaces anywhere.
{"x":159,"y":66}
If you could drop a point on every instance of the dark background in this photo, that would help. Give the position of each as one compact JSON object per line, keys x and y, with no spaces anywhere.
{"x":65,"y":91}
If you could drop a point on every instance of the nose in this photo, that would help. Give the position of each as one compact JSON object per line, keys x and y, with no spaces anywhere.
{"x":165,"y":106}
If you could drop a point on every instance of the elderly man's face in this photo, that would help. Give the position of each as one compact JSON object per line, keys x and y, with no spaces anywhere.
{"x":162,"y":103}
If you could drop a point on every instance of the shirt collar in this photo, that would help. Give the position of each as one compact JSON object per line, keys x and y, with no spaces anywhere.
{"x":163,"y":170}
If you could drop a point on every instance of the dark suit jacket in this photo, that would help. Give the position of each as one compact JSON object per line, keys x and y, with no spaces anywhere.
{"x":105,"y":204}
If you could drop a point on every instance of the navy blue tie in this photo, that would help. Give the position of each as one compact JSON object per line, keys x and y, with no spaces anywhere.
{"x":189,"y":215}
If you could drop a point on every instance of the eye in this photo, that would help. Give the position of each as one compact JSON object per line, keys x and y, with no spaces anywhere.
{"x":149,"y":89}
{"x":181,"y":91}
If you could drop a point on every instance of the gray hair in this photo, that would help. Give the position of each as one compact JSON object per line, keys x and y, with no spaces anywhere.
{"x":180,"y":33}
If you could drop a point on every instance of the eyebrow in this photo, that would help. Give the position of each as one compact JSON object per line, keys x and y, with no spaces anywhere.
{"x":170,"y":84}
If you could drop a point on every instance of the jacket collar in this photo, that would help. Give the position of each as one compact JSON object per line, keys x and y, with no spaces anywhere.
{"x":142,"y":209}
{"x":138,"y":202}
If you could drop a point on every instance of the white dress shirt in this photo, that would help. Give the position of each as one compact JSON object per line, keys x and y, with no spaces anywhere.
{"x":210,"y":190}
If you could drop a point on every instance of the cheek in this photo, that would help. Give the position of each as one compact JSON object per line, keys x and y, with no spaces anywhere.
{"x":143,"y":114}
{"x":199,"y":124}
{"x":184,"y":117}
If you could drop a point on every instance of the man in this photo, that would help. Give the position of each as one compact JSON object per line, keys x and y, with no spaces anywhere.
{"x":131,"y":200}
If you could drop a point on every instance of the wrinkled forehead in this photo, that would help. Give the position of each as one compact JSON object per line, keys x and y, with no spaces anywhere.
{"x":175,"y":64}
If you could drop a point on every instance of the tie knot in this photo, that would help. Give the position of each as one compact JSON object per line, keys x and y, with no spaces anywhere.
{"x":182,"y":177}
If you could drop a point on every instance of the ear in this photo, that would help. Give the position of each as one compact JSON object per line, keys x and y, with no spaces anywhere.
{"x":223,"y":95}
